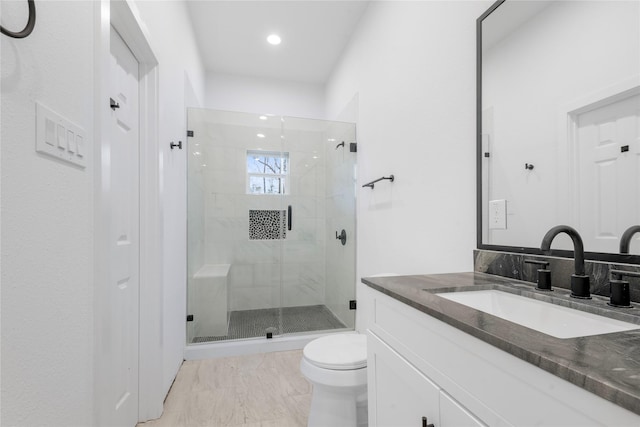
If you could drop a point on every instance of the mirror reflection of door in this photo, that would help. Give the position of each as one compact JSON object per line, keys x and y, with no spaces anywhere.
{"x":607,"y":151}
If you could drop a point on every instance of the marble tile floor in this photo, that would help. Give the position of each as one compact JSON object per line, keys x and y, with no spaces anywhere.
{"x":261,"y":390}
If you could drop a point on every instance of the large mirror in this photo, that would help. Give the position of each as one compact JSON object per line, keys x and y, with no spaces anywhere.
{"x":559,"y":125}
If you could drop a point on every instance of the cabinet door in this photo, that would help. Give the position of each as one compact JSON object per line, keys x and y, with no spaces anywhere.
{"x":454,"y":415}
{"x":399,"y":395}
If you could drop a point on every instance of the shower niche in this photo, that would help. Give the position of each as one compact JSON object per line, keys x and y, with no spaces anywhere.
{"x":266,"y":196}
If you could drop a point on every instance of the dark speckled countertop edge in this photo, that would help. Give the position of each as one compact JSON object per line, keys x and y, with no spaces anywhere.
{"x":602,"y":364}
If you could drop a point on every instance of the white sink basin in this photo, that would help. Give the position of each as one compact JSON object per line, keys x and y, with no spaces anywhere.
{"x":551,"y":319}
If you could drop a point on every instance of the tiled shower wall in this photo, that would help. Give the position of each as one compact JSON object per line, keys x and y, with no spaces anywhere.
{"x":303,"y":280}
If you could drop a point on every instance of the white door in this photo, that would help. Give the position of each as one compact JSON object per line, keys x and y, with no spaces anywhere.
{"x":608,"y":161}
{"x":122,"y":349}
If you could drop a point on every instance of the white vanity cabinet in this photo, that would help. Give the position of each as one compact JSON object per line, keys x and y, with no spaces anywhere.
{"x":454,"y":415}
{"x":403,"y":396}
{"x":420,"y":366}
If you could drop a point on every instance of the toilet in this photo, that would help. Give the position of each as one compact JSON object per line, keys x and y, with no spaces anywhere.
{"x":336,"y":366}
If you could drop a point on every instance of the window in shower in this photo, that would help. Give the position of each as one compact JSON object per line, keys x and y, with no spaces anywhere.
{"x":267,"y":172}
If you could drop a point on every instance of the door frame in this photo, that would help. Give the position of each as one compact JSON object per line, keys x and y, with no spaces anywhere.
{"x":124,"y":17}
{"x":568,"y":207}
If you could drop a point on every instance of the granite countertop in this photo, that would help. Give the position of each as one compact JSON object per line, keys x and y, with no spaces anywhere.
{"x":607,"y":365}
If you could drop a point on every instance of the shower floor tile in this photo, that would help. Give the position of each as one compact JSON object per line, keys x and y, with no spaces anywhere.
{"x":255,"y":323}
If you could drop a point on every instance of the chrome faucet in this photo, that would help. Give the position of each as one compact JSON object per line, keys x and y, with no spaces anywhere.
{"x":580,"y":287}
{"x":625,"y":240}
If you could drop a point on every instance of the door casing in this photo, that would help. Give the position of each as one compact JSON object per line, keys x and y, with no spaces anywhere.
{"x":124,"y":17}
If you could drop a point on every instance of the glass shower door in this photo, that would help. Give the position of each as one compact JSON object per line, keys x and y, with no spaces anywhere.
{"x":340,"y":211}
{"x":236,"y":225}
{"x":318,"y":272}
{"x":267,"y":196}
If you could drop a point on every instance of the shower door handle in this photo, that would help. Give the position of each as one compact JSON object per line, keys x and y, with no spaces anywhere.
{"x":289,"y":218}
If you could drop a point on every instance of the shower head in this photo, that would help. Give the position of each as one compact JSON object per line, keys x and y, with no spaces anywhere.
{"x":340,"y":145}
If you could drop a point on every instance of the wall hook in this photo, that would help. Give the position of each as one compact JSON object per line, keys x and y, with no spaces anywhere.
{"x":174,"y":145}
{"x":528,"y":166}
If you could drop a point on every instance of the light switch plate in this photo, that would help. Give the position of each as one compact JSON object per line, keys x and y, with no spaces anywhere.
{"x":498,"y":214}
{"x":59,"y":137}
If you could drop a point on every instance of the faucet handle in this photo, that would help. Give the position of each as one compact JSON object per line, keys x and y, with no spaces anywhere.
{"x":544,"y":280}
{"x":536,"y":261}
{"x":544,"y":275}
{"x":620,"y":295}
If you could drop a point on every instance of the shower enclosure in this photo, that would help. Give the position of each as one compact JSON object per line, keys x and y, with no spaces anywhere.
{"x":268,"y":200}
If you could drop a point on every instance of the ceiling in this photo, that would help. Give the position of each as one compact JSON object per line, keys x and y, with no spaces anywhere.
{"x":232,"y":36}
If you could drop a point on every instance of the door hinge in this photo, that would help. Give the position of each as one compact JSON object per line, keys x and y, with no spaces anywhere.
{"x":353,"y":147}
{"x":189,"y":317}
{"x":189,"y":133}
{"x":352,"y":304}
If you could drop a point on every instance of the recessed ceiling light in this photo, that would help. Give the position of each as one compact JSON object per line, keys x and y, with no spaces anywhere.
{"x":331,"y":139}
{"x":274,"y":39}
{"x":260,"y":135}
{"x":263,"y":117}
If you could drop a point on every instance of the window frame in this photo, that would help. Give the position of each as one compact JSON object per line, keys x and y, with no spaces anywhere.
{"x":284,"y":176}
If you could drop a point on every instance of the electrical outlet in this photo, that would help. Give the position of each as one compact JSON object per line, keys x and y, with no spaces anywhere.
{"x":498,"y":214}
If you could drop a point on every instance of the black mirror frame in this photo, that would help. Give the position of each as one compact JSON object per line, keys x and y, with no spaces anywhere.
{"x":594,"y":256}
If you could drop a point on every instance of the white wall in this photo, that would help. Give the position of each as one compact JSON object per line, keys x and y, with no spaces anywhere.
{"x":263,"y":95}
{"x":47,"y":210}
{"x":412,"y":66}
{"x":47,"y":207}
{"x":181,"y":80}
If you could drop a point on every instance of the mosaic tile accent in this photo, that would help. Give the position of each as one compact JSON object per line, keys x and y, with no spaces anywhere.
{"x":254,"y":323}
{"x":267,"y":224}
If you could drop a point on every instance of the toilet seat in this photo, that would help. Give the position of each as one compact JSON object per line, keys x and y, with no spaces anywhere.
{"x":340,"y":352}
{"x":336,"y":367}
